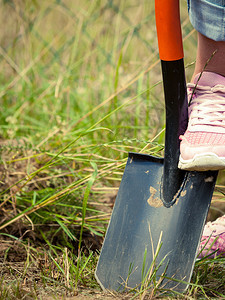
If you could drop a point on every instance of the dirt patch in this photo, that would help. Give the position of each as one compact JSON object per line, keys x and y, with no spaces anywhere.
{"x":97,"y":295}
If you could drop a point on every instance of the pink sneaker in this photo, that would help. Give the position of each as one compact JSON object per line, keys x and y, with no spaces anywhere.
{"x":202,"y":146}
{"x":213,"y":239}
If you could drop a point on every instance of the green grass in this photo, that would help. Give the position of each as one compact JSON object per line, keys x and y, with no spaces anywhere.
{"x":80,"y":87}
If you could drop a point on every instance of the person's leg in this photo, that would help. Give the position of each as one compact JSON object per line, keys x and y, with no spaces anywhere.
{"x":208,"y":18}
{"x":212,"y":52}
{"x":203,"y":144}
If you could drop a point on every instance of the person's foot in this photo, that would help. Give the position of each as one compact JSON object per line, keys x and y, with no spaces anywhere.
{"x":213,"y":239}
{"x":203,"y":144}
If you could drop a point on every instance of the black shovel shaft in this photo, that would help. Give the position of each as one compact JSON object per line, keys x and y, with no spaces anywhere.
{"x":176,"y":123}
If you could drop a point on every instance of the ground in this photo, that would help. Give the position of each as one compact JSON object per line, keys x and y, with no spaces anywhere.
{"x":26,"y":268}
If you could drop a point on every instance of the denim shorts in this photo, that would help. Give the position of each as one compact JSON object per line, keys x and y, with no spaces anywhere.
{"x":208,"y":17}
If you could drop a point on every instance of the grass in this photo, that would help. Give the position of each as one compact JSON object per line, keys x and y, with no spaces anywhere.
{"x":80,"y":87}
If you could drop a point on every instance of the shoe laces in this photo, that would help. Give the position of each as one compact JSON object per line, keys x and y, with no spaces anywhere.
{"x":206,"y":105}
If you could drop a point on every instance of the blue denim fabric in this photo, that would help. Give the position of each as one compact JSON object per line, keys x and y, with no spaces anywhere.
{"x":208,"y":17}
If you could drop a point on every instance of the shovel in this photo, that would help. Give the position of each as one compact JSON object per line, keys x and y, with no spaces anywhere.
{"x":160,"y":211}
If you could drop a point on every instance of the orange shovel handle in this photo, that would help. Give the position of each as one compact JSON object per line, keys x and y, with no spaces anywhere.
{"x":168,"y":27}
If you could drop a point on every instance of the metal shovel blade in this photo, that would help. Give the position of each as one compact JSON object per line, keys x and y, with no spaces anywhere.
{"x":139,"y":220}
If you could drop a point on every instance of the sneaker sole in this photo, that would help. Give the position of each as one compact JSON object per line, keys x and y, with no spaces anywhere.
{"x":202,"y":162}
